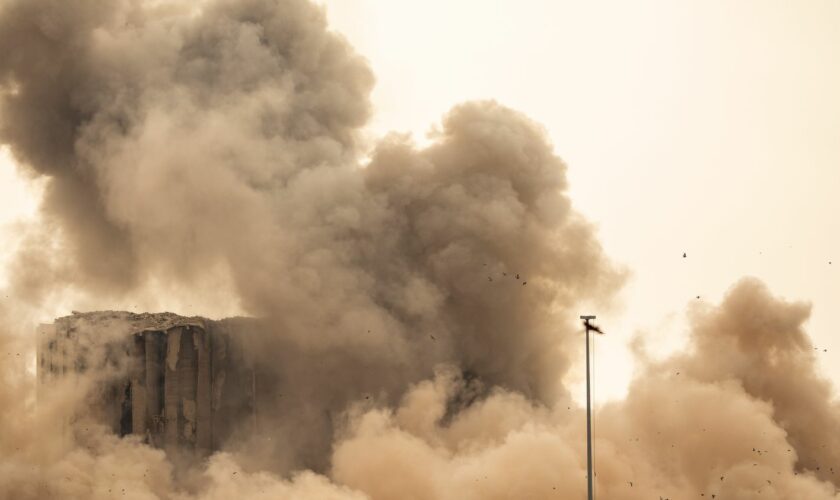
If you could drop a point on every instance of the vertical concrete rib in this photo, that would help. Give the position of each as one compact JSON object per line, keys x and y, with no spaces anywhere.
{"x":155,"y":350}
{"x":187,"y":386}
{"x":46,"y":344}
{"x":218,"y":367}
{"x":114,"y":390}
{"x":204,"y":414}
{"x":170,"y":389}
{"x":138,"y":385}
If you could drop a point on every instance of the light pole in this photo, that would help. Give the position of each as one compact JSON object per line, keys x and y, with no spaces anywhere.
{"x":589,"y":476}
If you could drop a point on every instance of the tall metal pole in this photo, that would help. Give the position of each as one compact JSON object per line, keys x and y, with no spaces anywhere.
{"x":590,"y":477}
{"x":588,"y":424}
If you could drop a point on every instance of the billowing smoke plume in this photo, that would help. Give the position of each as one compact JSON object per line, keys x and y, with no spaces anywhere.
{"x":417,"y":307}
{"x":170,"y":131}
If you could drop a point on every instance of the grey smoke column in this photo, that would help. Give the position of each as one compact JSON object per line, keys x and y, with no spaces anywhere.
{"x":213,"y":148}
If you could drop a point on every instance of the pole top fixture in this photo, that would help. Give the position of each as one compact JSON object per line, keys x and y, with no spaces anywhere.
{"x":589,"y":326}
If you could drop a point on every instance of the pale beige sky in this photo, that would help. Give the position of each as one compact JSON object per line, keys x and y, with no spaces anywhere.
{"x":705,"y":127}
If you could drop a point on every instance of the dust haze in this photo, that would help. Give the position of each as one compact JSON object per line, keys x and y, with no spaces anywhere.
{"x":419,"y":303}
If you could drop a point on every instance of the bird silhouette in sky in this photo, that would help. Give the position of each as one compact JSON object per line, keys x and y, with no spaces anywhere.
{"x":590,"y":326}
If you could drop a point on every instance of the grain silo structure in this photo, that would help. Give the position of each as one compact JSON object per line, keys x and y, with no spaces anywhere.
{"x":179,"y":383}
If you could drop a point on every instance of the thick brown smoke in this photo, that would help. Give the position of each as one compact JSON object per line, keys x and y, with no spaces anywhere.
{"x":417,"y":308}
{"x":169,"y":134}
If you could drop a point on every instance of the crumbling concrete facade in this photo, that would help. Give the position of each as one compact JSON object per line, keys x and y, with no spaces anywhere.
{"x":179,"y":383}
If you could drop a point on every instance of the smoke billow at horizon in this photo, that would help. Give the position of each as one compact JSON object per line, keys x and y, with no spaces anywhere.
{"x":420,"y":302}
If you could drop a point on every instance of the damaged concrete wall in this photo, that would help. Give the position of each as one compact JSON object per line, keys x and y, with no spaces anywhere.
{"x":179,"y":383}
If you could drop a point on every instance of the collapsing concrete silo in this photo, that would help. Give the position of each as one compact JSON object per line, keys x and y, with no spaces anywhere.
{"x":179,"y":383}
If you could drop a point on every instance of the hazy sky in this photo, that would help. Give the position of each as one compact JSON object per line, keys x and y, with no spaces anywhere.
{"x":708,"y":127}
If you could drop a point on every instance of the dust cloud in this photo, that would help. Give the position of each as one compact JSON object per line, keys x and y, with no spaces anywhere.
{"x":417,"y":303}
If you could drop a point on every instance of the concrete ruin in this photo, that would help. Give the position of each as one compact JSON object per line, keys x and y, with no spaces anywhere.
{"x":179,"y":383}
